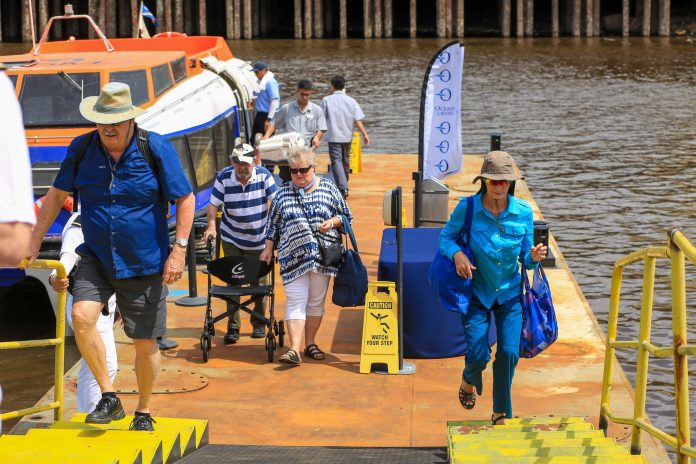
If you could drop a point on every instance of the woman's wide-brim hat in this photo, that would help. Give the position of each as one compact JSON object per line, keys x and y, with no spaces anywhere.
{"x":111,"y":106}
{"x":498,"y":165}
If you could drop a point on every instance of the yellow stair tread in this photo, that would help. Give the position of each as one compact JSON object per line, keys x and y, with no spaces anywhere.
{"x":21,"y":449}
{"x":554,"y":442}
{"x":201,"y":425}
{"x":483,"y":459}
{"x":521,"y":421}
{"x":546,"y":451}
{"x":512,"y":435}
{"x":152,"y":445}
{"x":187,"y":433}
{"x":490,"y":428}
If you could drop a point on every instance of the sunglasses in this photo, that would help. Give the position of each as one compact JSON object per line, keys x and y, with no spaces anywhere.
{"x":300,"y":170}
{"x":113,"y":125}
{"x":497,"y":183}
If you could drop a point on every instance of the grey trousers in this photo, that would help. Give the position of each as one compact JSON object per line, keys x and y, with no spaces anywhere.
{"x":339,"y":153}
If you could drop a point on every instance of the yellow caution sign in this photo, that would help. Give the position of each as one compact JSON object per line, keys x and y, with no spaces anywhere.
{"x":355,"y":154}
{"x":380,"y":343}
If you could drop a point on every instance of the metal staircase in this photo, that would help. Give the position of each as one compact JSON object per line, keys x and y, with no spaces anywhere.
{"x":554,"y":440}
{"x":76,"y":441}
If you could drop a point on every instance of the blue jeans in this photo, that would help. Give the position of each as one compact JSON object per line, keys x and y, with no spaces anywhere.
{"x":508,"y":321}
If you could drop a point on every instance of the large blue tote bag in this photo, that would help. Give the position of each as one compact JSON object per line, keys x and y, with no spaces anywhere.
{"x":539,"y":324}
{"x":350,"y":284}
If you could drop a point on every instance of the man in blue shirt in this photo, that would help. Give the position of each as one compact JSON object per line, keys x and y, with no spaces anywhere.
{"x":126,"y":250}
{"x":267,"y":99}
{"x":243,"y":191}
{"x":342,"y":112}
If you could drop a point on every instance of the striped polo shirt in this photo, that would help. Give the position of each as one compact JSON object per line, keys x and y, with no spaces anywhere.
{"x":245,"y":207}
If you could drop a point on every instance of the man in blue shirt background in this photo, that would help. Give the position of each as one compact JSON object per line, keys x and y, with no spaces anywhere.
{"x":126,"y":250}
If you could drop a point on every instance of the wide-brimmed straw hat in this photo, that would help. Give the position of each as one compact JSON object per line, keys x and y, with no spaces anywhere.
{"x":113,"y":105}
{"x":498,"y":165}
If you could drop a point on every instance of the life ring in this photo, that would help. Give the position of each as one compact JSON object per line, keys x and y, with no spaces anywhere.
{"x":67,"y":204}
{"x":169,"y":34}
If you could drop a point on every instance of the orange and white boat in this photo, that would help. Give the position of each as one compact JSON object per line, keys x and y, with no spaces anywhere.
{"x":193,"y":91}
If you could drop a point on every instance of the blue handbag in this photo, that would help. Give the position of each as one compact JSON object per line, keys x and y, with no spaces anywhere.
{"x":350,"y":284}
{"x":454,"y":292}
{"x":539,"y":324}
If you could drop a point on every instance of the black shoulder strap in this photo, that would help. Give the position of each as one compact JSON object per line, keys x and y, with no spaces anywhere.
{"x":143,"y":142}
{"x":78,"y":157}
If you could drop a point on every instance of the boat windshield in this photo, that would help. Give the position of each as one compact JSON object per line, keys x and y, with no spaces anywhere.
{"x":51,"y":100}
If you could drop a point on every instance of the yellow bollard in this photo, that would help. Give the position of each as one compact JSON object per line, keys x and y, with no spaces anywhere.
{"x":380,"y":343}
{"x":355,"y":154}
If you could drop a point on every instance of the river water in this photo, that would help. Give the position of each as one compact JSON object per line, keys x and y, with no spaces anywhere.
{"x":604,"y":130}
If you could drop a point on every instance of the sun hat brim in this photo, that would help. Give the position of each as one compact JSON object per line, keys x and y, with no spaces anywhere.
{"x":88,"y":111}
{"x":508,"y":177}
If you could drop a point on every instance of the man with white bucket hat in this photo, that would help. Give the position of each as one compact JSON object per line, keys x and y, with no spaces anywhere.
{"x":123,"y":191}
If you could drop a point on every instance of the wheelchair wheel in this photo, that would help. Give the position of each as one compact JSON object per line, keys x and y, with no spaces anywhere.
{"x":270,"y":346}
{"x":205,"y":346}
{"x":281,"y":334}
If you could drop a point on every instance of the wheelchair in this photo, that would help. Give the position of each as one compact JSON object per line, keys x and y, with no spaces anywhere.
{"x":240,"y":274}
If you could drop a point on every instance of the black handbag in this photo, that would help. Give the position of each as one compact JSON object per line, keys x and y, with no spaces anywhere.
{"x":330,"y":247}
{"x":350,"y":284}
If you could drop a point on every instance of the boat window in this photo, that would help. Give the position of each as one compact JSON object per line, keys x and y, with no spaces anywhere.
{"x":182,"y":150}
{"x":13,"y":78}
{"x":203,"y":155}
{"x":54,"y":99}
{"x":161,"y":78}
{"x":179,"y":69}
{"x":136,"y":80}
{"x":43,"y":174}
{"x":222,"y":147}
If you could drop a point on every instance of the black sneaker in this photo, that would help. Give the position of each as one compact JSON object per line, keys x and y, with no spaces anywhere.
{"x":258,"y":332}
{"x":143,"y":423}
{"x":109,"y":408}
{"x":231,"y":337}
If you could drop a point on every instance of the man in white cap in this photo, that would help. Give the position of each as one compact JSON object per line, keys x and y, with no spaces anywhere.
{"x":124,"y":190}
{"x":244,"y":191}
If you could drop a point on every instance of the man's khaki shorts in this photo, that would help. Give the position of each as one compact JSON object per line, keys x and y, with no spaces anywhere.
{"x":142,"y":300}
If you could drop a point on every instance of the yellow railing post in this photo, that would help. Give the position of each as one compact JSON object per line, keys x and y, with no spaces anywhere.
{"x":643,"y":337}
{"x":681,"y":368}
{"x":58,"y":342}
{"x":614,"y":298}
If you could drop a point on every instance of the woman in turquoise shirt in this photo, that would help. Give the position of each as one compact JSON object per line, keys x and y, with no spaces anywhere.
{"x":502,"y":231}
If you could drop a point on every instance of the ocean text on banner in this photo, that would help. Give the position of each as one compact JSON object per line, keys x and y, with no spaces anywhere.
{"x":441,"y":122}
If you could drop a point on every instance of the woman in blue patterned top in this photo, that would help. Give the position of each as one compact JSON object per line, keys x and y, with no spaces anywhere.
{"x":301,"y":208}
{"x":502,"y":231}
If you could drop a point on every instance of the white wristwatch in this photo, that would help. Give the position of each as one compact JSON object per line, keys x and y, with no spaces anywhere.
{"x":182,"y":242}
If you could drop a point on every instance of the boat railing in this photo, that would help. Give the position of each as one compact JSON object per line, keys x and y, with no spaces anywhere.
{"x":678,"y":248}
{"x":58,"y":342}
{"x":69,"y":16}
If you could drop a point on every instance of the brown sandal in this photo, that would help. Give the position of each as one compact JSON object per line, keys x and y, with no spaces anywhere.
{"x":466,"y":399}
{"x":495,"y":419}
{"x":314,"y":352}
{"x":291,"y":357}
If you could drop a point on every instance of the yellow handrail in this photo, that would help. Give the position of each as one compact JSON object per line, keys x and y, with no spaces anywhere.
{"x":58,"y":342}
{"x":678,"y":247}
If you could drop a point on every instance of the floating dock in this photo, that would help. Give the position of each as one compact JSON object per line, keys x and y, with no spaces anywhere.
{"x":251,"y":402}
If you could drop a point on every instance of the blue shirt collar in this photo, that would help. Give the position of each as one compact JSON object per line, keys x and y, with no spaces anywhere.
{"x":512,"y":207}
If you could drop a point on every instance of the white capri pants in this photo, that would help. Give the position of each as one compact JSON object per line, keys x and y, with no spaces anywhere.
{"x":305,"y":296}
{"x":88,"y":391}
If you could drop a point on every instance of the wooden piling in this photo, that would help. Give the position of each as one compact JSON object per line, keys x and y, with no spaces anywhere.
{"x":448,"y":18}
{"x":440,"y":15}
{"x":318,"y":19}
{"x":26,"y":24}
{"x":625,"y":29}
{"x":342,"y":19}
{"x":412,"y":24}
{"x":202,"y":18}
{"x":575,"y":27}
{"x":187,"y":17}
{"x":57,"y":28}
{"x":43,"y":18}
{"x":297,"y":7}
{"x":388,"y":18}
{"x":647,"y":10}
{"x":459,"y":15}
{"x":178,"y":19}
{"x":367,"y":19}
{"x":229,"y":19}
{"x":529,"y":19}
{"x":307,"y":26}
{"x":134,"y":9}
{"x":519,"y":27}
{"x":555,"y":19}
{"x":378,"y":19}
{"x":248,"y":13}
{"x":596,"y":10}
{"x":664,"y":17}
{"x":506,"y":12}
{"x":589,"y":18}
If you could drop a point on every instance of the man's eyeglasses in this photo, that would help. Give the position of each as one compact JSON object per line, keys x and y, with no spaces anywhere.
{"x":300,"y":170}
{"x":497,"y":183}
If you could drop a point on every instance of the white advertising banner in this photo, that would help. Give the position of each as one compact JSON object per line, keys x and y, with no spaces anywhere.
{"x":441,"y":147}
